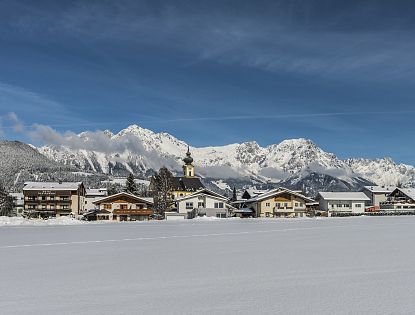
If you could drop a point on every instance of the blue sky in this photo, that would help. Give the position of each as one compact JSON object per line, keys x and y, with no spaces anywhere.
{"x":341,"y":73}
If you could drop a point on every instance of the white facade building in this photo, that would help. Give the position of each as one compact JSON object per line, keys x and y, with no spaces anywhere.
{"x":342,"y":203}
{"x":203,"y":203}
{"x":92,"y":195}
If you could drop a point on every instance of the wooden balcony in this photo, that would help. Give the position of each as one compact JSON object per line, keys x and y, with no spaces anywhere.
{"x":133,"y":212}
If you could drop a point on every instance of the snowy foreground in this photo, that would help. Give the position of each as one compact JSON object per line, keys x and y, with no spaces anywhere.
{"x":362,"y":265}
{"x":8,"y":221}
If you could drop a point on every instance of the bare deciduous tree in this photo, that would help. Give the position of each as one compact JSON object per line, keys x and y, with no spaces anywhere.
{"x":161,"y":186}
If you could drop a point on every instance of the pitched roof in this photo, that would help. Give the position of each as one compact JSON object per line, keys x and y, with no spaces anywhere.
{"x":410,"y":192}
{"x":252,"y":192}
{"x":52,"y":185}
{"x":380,"y":189}
{"x":344,"y":195}
{"x":97,"y":192}
{"x":278,"y":191}
{"x":122,"y":194}
{"x":187,"y":184}
{"x":205,"y":192}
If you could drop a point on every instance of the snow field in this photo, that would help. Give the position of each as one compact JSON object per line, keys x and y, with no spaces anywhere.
{"x":362,"y":265}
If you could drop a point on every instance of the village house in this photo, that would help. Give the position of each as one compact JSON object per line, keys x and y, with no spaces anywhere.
{"x":54,"y":199}
{"x":92,"y":195}
{"x":377,"y":194}
{"x":342,"y":203}
{"x":400,"y":200}
{"x":189,"y":182}
{"x":279,"y":202}
{"x":123,"y":207}
{"x":203,"y":203}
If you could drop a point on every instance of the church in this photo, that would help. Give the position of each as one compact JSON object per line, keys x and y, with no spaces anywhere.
{"x":189,"y":183}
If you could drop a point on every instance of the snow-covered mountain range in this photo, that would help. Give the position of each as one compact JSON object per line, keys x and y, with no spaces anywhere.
{"x":142,"y":151}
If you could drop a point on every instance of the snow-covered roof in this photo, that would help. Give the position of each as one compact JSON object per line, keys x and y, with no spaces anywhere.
{"x":243,"y":210}
{"x":348,"y":195}
{"x":97,"y":192}
{"x":253,"y":192}
{"x":121,"y":194}
{"x":410,"y":192}
{"x":51,"y":185}
{"x":380,"y":189}
{"x":205,"y":192}
{"x":148,"y":199}
{"x":17,"y":195}
{"x":278,"y":191}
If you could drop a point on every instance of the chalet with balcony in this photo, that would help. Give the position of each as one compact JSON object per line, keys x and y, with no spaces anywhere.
{"x":123,"y":207}
{"x":400,"y":200}
{"x":53,"y":199}
{"x":279,"y":202}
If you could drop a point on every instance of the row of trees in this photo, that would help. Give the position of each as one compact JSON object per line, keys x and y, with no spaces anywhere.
{"x":6,"y":202}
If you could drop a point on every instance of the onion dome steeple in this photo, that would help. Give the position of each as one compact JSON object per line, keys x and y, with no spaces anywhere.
{"x":188,"y":168}
{"x":188,"y":160}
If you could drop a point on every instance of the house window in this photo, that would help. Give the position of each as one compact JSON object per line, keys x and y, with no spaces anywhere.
{"x":285,"y":204}
{"x":107,"y":206}
{"x":65,"y":207}
{"x":268,"y":204}
{"x":52,"y":197}
{"x":221,"y":215}
{"x":358,"y":205}
{"x":31,"y":198}
{"x":218,"y":205}
{"x":346,"y":205}
{"x":201,"y":205}
{"x":123,"y":207}
{"x":339,"y":205}
{"x":296,"y":204}
{"x":189,"y":205}
{"x":139,"y":206}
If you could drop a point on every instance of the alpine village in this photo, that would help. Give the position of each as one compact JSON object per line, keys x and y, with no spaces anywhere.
{"x":186,"y":197}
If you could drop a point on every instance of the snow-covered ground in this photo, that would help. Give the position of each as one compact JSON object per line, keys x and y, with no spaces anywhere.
{"x":362,"y":265}
{"x":7,"y":221}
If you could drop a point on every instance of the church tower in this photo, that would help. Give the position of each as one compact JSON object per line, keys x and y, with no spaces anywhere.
{"x":188,"y":168}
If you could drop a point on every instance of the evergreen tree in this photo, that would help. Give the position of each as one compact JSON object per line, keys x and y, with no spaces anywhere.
{"x":6,"y":202}
{"x":234,"y":197}
{"x":161,"y":186}
{"x":130,"y":185}
{"x":113,"y":189}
